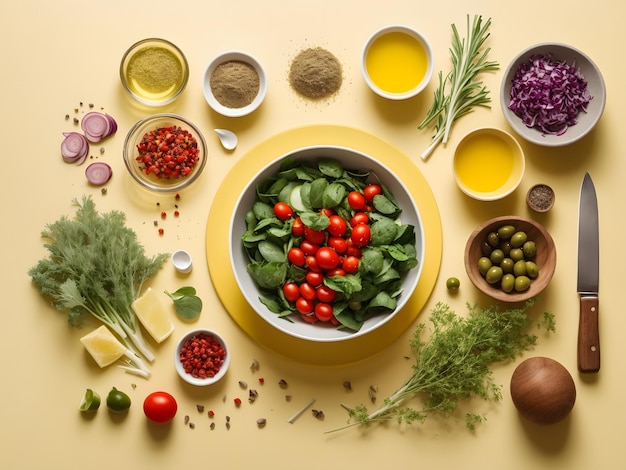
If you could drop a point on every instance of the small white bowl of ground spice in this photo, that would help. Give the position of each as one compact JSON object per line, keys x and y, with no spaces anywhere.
{"x":234,"y":84}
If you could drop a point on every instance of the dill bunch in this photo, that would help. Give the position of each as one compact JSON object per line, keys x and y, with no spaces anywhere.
{"x":460,"y":92}
{"x":454,"y":363}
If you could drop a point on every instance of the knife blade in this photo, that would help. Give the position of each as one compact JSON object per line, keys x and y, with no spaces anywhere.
{"x":588,"y":278}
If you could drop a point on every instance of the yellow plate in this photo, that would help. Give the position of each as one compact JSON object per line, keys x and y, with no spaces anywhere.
{"x":217,"y":252}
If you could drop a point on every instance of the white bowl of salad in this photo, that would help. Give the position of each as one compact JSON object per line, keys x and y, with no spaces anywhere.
{"x":552,"y":94}
{"x":326,"y":243}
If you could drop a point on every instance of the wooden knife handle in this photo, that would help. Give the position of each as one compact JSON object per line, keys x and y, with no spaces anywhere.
{"x":588,"y":335}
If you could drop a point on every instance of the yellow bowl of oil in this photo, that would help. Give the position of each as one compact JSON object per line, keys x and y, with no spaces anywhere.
{"x":488,"y":164}
{"x":397,"y":62}
{"x":154,"y":72}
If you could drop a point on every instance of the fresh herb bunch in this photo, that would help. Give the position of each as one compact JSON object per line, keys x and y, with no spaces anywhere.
{"x":454,"y":363}
{"x":96,"y":266}
{"x":459,"y":92}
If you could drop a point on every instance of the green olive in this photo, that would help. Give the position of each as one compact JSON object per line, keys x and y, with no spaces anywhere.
{"x":519,"y":269}
{"x":508,"y":283}
{"x":485,"y":248}
{"x":496,"y":256}
{"x":453,"y":284}
{"x":494,"y":275}
{"x":484,"y":264}
{"x":118,"y":401}
{"x":522,"y":283}
{"x":532,"y":271}
{"x":493,"y":239}
{"x":506,"y":231}
{"x":530,"y":249}
{"x":516,"y":254}
{"x":518,"y":239}
{"x":507,"y":265}
{"x":505,"y":246}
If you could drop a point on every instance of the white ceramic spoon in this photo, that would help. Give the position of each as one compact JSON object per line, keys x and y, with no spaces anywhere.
{"x":227,"y":138}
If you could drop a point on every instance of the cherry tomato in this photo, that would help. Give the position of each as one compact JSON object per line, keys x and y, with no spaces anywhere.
{"x":356,"y":200}
{"x":296,"y":256}
{"x":304,"y":306}
{"x":327,"y":258}
{"x":350,"y":264}
{"x":297,"y":227}
{"x":309,"y":317}
{"x":352,"y":249}
{"x":308,"y":247}
{"x":283,"y":211}
{"x":361,"y":235}
{"x":291,"y":291}
{"x":311,"y":263}
{"x":359,"y":218}
{"x":160,"y":407}
{"x":314,"y":278}
{"x":337,"y":226}
{"x":323,"y":311}
{"x":326,"y":294}
{"x":314,"y":236}
{"x":372,"y":190}
{"x":327,"y":212}
{"x":340,"y":245}
{"x":307,"y":291}
{"x":335,"y":272}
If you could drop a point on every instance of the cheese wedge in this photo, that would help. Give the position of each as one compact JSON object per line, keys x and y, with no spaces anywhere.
{"x":151,"y":312}
{"x":103,"y":346}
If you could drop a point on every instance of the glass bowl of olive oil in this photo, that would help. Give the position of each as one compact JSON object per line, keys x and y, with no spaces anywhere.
{"x":154,"y":72}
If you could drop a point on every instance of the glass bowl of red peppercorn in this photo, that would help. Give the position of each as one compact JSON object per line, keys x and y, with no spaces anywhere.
{"x":165,"y":152}
{"x":202,"y":357}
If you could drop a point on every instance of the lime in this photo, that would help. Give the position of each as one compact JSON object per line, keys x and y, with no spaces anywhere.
{"x":118,"y":401}
{"x":90,"y":402}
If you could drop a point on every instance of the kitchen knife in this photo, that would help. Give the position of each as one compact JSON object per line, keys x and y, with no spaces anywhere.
{"x":588,"y":278}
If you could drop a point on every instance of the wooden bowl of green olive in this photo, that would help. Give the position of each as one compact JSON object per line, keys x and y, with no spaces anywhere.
{"x":510,"y":259}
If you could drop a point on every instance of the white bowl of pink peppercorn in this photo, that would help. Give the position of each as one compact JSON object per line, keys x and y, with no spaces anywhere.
{"x":201,"y":357}
{"x":165,"y":152}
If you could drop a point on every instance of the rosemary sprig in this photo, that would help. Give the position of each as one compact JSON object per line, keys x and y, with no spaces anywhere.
{"x":454,"y":363}
{"x":464,"y":91}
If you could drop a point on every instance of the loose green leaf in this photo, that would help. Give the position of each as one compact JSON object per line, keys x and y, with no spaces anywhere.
{"x":186,"y":303}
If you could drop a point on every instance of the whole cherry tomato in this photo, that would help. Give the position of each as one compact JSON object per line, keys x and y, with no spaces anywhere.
{"x":350,"y":264}
{"x":372,"y":190}
{"x":314,"y":278}
{"x":356,"y":200}
{"x":307,"y":291}
{"x":361,"y":235}
{"x":297,"y":227}
{"x":326,"y":294}
{"x":160,"y":407}
{"x":296,"y":256}
{"x":323,"y":311}
{"x":340,"y":245}
{"x":311,"y":263}
{"x":308,"y":247}
{"x":291,"y":291}
{"x":304,"y":306}
{"x":314,"y":236}
{"x":327,"y":258}
{"x":337,"y":226}
{"x":359,"y":218}
{"x":282,"y":211}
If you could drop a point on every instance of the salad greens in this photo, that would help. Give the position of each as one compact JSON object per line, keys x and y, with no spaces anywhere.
{"x":310,"y":190}
{"x":186,"y":303}
{"x":96,"y":266}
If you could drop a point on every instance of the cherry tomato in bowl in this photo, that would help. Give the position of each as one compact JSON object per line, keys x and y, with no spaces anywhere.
{"x":160,"y":407}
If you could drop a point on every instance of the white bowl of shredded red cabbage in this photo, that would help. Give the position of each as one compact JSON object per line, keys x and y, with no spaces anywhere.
{"x":552,"y":94}
{"x":165,"y":152}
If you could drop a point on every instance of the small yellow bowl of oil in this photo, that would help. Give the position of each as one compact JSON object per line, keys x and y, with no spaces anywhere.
{"x":397,"y":62}
{"x":488,"y":164}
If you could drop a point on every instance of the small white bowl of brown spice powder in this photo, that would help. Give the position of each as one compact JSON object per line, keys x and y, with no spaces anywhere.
{"x":234,"y":84}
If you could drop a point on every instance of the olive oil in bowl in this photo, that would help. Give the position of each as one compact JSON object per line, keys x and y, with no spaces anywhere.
{"x":488,"y":164}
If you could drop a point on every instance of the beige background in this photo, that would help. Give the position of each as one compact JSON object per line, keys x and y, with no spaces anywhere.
{"x":57,"y":54}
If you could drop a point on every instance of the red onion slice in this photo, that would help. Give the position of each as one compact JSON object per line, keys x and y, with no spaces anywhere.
{"x":74,"y":147}
{"x":112,"y":124}
{"x":98,"y":173}
{"x":96,"y":126}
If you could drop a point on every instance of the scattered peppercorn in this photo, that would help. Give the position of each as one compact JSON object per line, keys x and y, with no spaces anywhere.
{"x":252,"y":395}
{"x":254,"y":366}
{"x":161,"y":231}
{"x":163,"y":214}
{"x":212,"y":426}
{"x":186,"y":419}
{"x":347,"y":385}
{"x":261,"y":380}
{"x":211,"y":413}
{"x":75,"y":120}
{"x":176,"y":213}
{"x":261,"y":422}
{"x":288,"y":397}
{"x":237,"y":401}
{"x":319,"y":414}
{"x":372,"y":393}
{"x":177,"y":196}
{"x":67,"y":116}
{"x":200,"y":408}
{"x":91,"y":105}
{"x":192,"y":426}
{"x":243,"y":384}
{"x":282,"y":383}
{"x":104,"y":190}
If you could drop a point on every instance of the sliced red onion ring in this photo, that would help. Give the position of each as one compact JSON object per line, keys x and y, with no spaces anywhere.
{"x":113,"y":125}
{"x":98,"y":173}
{"x":74,"y":147}
{"x":96,"y":126}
